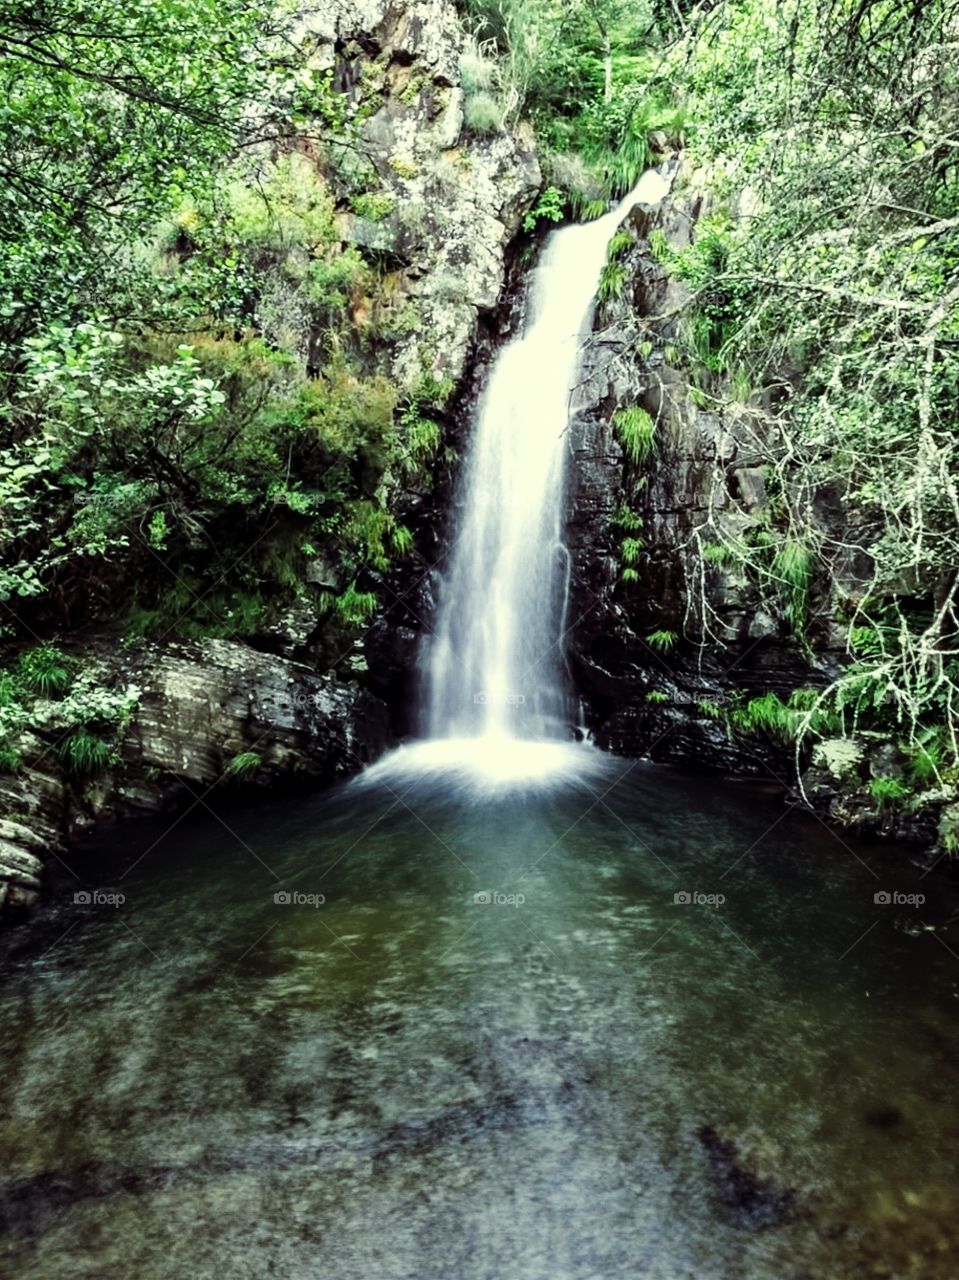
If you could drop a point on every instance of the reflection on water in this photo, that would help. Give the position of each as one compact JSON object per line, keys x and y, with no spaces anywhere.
{"x":498,"y":1048}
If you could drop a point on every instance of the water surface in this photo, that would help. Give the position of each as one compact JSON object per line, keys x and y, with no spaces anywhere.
{"x":575,"y":1077}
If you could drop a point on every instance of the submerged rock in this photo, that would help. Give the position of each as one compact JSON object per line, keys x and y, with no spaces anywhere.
{"x":745,"y":1176}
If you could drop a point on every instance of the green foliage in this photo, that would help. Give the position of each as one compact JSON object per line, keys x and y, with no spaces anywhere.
{"x":612,"y":281}
{"x":831,"y":310}
{"x":355,"y":607}
{"x":618,"y":245}
{"x":636,"y":430}
{"x":625,"y":518}
{"x":419,"y":419}
{"x":373,"y":205}
{"x":662,"y":641}
{"x":766,"y":714}
{"x":244,"y":766}
{"x":632,"y":550}
{"x":657,"y":697}
{"x":888,"y":790}
{"x":45,"y":670}
{"x":84,"y":754}
{"x":402,"y":540}
{"x":717,"y":553}
{"x":791,"y":567}
{"x":483,"y":115}
{"x":549,"y":207}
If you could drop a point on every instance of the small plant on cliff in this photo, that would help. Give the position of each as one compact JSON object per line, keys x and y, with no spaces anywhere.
{"x":244,"y":765}
{"x":636,"y":430}
{"x":483,"y":115}
{"x":662,"y":641}
{"x":888,"y":791}
{"x":45,"y":671}
{"x":791,"y":568}
{"x":548,"y":208}
{"x":354,"y":607}
{"x":612,"y":281}
{"x":766,"y":714}
{"x":84,"y":754}
{"x":632,"y":550}
{"x":620,"y":242}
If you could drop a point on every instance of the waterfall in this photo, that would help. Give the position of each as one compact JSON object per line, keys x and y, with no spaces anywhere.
{"x":495,"y":667}
{"x":496,"y":699}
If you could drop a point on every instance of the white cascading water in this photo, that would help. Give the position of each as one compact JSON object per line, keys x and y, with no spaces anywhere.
{"x":496,"y":697}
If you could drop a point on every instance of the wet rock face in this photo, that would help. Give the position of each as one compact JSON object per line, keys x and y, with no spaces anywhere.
{"x":201,"y":706}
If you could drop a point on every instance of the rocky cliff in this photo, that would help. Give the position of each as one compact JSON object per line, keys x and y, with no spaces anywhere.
{"x":674,"y":648}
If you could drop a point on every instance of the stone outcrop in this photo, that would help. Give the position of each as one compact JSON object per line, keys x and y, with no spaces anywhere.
{"x":446,"y":201}
{"x":210,"y":714}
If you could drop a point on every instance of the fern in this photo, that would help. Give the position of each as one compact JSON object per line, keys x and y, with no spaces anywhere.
{"x":636,"y":430}
{"x":244,"y":765}
{"x":662,"y":641}
{"x":767,"y":714}
{"x":354,"y":607}
{"x":84,"y":755}
{"x":45,"y":670}
{"x":612,"y":282}
{"x":791,"y":566}
{"x":632,"y":550}
{"x":618,"y":245}
{"x":402,"y":540}
{"x":887,"y":790}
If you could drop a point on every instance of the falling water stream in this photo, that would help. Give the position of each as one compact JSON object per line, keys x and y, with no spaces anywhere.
{"x":504,"y":1008}
{"x":497,"y":708}
{"x":495,"y":668}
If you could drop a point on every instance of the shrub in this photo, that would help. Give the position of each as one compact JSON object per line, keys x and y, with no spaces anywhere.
{"x":483,"y":115}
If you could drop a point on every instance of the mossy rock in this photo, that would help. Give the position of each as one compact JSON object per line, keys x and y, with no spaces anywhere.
{"x":840,"y":757}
